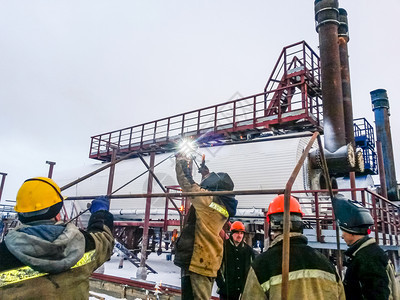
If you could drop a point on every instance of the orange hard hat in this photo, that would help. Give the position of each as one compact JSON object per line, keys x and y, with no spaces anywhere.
{"x":237,"y":226}
{"x":277,"y":206}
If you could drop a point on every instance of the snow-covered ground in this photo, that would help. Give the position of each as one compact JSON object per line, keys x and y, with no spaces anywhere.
{"x":167,"y":272}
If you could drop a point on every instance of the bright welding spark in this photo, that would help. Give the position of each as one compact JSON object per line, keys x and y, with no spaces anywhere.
{"x":187,"y":147}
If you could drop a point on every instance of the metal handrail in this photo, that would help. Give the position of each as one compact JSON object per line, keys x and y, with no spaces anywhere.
{"x":248,"y":113}
{"x":386,"y":214}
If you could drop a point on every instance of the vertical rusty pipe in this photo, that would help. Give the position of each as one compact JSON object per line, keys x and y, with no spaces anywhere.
{"x":326,"y":173}
{"x":165,"y":227}
{"x":286,"y":218}
{"x":158,"y":181}
{"x":3,"y":179}
{"x":353,"y":185}
{"x":343,"y":37}
{"x":112,"y":171}
{"x":380,"y":106}
{"x":375,"y":216}
{"x":318,"y":224}
{"x":51,"y":167}
{"x":326,"y":16}
{"x":266,"y":224}
{"x":380,"y":205}
{"x":363,"y":197}
{"x":286,"y":246}
{"x":381,"y":169}
{"x":142,"y":272}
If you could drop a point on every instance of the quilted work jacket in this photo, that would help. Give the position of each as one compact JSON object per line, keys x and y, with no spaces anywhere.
{"x":48,"y":260}
{"x":311,"y":275}
{"x":199,"y":248}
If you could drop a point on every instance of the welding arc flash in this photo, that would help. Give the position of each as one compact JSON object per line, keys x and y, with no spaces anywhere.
{"x":187,"y":147}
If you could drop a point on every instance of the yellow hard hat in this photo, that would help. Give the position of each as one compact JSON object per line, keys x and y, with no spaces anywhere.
{"x":36,"y":194}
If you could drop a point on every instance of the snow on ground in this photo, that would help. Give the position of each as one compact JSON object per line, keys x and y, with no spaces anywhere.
{"x":97,"y":296}
{"x":167,"y":272}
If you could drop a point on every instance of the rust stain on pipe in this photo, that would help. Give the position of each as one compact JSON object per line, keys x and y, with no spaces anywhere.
{"x":286,"y":218}
{"x":326,"y":15}
{"x":343,"y":39}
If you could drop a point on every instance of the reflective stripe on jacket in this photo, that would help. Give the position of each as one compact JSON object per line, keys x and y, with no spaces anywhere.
{"x":199,"y":247}
{"x":70,"y":284}
{"x":25,"y":272}
{"x":311,"y":275}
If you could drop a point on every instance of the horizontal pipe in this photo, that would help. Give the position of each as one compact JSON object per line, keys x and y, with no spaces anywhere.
{"x":240,"y":212}
{"x":342,"y":159}
{"x":151,"y":223}
{"x":185,"y":194}
{"x":216,"y":193}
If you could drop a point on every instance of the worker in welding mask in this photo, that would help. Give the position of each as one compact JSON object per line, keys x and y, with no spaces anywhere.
{"x":311,"y":274}
{"x":47,"y":259}
{"x":369,"y":274}
{"x":199,"y":248}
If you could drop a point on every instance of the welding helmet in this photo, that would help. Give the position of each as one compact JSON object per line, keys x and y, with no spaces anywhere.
{"x":237,"y":226}
{"x":275,"y":214}
{"x":217,"y":182}
{"x":352,"y":216}
{"x":38,"y":198}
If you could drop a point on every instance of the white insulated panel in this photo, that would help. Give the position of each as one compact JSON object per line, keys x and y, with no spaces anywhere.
{"x":257,"y":165}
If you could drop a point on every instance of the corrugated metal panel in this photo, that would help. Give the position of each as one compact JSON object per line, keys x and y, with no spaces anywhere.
{"x":257,"y":165}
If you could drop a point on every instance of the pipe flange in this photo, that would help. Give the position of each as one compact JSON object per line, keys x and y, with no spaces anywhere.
{"x":351,"y":156}
{"x":332,"y":21}
{"x":318,"y":158}
{"x":336,"y":10}
{"x":360,"y":161}
{"x":329,"y":18}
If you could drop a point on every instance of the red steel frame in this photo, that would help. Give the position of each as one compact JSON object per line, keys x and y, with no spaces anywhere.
{"x":291,"y":100}
{"x":384,"y":212}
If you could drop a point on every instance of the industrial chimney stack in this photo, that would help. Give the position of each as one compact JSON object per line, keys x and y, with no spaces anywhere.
{"x":335,"y":76}
{"x":380,"y":106}
{"x":327,"y":17}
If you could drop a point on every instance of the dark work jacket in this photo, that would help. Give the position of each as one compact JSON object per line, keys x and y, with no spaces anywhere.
{"x":367,"y":275}
{"x":235,"y":265}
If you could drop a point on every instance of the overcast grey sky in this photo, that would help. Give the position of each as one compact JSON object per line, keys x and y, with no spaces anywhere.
{"x":70,"y":69}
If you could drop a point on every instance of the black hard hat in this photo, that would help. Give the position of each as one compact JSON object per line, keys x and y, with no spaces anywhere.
{"x":217,"y":182}
{"x":353,"y":217}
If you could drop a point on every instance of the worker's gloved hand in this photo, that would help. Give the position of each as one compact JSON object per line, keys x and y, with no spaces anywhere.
{"x":203,"y":170}
{"x":100,"y":203}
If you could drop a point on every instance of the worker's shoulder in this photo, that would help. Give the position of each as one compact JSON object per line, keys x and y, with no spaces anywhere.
{"x":371,"y":252}
{"x":268,"y":264}
{"x":271,"y":256}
